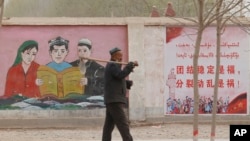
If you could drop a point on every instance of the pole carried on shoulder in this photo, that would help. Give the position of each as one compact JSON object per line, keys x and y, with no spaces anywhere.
{"x":107,"y":61}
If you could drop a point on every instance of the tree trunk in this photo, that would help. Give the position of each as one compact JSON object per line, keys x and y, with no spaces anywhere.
{"x":195,"y":66}
{"x":218,"y":42}
{"x":196,"y":89}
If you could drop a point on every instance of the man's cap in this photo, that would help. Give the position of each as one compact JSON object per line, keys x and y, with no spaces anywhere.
{"x":85,"y":42}
{"x":114,"y":50}
{"x":58,"y":41}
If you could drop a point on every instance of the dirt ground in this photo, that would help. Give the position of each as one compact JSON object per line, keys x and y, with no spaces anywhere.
{"x":163,"y":132}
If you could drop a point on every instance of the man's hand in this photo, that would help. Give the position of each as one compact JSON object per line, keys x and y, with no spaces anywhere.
{"x":136,"y":63}
{"x":129,"y":83}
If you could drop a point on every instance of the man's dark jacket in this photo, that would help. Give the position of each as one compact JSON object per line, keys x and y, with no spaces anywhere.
{"x":115,"y":84}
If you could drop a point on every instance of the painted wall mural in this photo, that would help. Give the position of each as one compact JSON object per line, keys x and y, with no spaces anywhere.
{"x":233,"y":81}
{"x":42,"y":66}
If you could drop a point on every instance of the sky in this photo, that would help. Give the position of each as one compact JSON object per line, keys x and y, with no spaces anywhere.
{"x":246,"y":2}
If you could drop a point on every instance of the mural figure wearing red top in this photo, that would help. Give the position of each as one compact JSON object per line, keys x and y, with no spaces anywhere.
{"x":22,"y":75}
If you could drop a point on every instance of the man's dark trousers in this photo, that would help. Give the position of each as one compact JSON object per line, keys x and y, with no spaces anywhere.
{"x":115,"y":115}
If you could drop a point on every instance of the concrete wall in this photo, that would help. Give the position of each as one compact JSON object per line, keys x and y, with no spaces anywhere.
{"x":146,"y":42}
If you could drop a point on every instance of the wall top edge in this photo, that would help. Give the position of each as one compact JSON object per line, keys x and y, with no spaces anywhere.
{"x":151,"y":21}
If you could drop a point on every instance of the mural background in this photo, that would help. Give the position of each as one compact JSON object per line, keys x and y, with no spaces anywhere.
{"x":103,"y":39}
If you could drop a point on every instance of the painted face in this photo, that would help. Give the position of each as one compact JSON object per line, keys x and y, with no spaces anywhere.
{"x":59,"y":53}
{"x":29,"y":55}
{"x":83,"y":51}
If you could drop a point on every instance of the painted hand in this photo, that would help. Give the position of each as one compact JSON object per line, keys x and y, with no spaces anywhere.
{"x":39,"y":82}
{"x":84,"y":81}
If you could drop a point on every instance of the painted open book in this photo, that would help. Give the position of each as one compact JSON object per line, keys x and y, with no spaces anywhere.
{"x":60,"y":84}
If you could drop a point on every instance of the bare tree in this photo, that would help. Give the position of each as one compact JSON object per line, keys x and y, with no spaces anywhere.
{"x":221,"y":21}
{"x":204,"y":19}
{"x":201,"y":27}
{"x":218,"y":34}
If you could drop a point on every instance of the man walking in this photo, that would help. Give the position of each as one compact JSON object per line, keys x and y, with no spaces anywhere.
{"x":115,"y":86}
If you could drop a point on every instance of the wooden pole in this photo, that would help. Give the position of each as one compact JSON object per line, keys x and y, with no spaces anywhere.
{"x":101,"y":60}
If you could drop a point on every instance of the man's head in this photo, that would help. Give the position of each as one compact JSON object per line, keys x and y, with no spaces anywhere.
{"x":84,"y":47}
{"x":116,"y":54}
{"x":58,"y":49}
